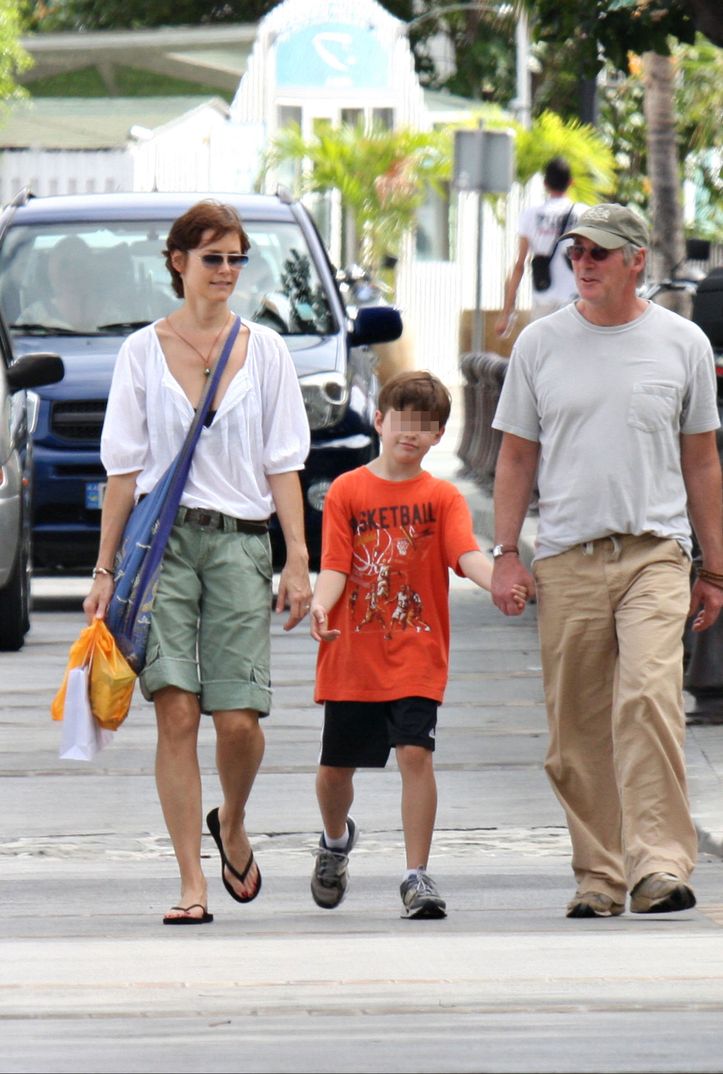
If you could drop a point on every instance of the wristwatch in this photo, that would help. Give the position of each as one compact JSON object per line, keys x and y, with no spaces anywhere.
{"x":502,"y":549}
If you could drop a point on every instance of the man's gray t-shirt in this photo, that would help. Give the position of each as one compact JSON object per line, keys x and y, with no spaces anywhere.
{"x":607,"y":406}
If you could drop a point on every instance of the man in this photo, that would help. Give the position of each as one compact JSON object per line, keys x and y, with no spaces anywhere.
{"x":540,"y":228}
{"x":615,"y":397}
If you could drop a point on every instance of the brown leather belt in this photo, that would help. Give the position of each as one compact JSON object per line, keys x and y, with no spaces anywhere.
{"x":216,"y":520}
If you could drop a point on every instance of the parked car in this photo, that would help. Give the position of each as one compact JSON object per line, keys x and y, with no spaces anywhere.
{"x":18,"y":411}
{"x":99,"y":257}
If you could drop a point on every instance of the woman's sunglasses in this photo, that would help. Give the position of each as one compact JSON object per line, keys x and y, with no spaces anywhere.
{"x":577,"y":252}
{"x":235,"y":261}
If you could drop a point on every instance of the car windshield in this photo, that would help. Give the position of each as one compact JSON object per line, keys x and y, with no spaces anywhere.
{"x":109,"y":278}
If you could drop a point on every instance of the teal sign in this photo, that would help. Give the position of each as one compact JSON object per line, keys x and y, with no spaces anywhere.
{"x":333,"y":55}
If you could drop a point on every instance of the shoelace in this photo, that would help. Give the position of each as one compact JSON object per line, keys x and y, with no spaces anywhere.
{"x":424,"y":885}
{"x":329,"y":862}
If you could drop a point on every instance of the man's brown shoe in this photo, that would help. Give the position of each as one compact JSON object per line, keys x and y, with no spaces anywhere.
{"x":594,"y":904}
{"x":661,"y":893}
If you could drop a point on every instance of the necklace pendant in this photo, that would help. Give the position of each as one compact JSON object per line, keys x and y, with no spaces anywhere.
{"x":206,"y":372}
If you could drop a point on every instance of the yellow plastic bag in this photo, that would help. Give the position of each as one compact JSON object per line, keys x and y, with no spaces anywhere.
{"x":78,"y":657}
{"x":111,"y":681}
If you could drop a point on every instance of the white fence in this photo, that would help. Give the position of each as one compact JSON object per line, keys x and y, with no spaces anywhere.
{"x":64,"y":171}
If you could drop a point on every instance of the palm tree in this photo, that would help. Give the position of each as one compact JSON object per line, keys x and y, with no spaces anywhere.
{"x":382,"y":176}
{"x":668,"y":244}
{"x":590,"y":158}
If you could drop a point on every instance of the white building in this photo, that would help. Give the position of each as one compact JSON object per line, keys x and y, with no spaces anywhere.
{"x":332,"y":61}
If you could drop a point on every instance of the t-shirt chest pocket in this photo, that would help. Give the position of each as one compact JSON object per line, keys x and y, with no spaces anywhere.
{"x":653,"y":406}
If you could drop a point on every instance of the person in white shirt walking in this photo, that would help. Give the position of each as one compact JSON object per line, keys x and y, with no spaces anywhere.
{"x":540,"y":229}
{"x":209,"y":640}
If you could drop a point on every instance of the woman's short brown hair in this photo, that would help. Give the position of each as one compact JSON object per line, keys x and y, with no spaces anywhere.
{"x":417,"y":390}
{"x":187,"y":232}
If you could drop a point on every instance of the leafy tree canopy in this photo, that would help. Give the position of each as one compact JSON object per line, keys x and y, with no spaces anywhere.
{"x":599,"y":30}
{"x":49,"y":15}
{"x":13,"y":58}
{"x":45,"y":15}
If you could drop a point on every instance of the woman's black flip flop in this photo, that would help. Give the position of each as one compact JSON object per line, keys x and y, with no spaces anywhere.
{"x":214,"y":827}
{"x":205,"y":919}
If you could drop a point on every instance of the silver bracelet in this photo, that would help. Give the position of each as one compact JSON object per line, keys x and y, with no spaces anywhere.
{"x":101,"y":570}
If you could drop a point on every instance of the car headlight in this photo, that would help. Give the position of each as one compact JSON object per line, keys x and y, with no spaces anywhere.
{"x":316,"y":494}
{"x":325,"y":398}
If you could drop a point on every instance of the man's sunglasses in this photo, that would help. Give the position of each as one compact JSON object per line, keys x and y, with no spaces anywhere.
{"x":235,"y":261}
{"x":577,"y":252}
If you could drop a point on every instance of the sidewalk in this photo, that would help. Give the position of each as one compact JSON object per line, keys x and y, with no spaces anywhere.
{"x":92,"y":983}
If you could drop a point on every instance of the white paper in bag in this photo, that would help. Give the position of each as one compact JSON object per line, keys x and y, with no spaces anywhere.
{"x":82,"y":736}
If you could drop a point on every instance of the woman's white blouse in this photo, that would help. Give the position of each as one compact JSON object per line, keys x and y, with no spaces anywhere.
{"x":260,"y":427}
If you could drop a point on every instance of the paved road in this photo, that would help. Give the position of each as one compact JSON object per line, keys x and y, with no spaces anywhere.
{"x":91,"y":981}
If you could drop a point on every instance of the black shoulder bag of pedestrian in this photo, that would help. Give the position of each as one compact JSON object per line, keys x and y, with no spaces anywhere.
{"x":540,"y":263}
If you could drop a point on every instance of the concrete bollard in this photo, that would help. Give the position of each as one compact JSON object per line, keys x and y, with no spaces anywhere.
{"x":483,"y":378}
{"x":469,"y":402}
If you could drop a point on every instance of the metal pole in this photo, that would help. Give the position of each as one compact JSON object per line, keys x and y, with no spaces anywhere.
{"x":522,"y":42}
{"x":478,"y":334}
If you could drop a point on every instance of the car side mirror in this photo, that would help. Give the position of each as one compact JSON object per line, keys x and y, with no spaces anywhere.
{"x":375,"y":324}
{"x":34,"y":370}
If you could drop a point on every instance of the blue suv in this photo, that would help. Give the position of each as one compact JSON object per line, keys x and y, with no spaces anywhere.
{"x":121,"y":283}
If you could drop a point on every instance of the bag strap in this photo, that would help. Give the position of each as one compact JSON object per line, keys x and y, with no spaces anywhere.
{"x":561,"y":230}
{"x":182,"y":463}
{"x":213,"y":381}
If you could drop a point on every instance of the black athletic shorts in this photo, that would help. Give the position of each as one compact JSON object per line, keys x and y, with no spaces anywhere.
{"x":361,"y":734}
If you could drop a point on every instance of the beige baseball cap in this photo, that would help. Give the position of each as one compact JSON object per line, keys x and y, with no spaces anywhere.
{"x":611,"y":226}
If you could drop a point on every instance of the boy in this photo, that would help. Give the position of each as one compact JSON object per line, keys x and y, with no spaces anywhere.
{"x":391,"y":532}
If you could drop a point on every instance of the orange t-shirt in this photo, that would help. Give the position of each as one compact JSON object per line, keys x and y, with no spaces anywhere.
{"x":395,"y":541}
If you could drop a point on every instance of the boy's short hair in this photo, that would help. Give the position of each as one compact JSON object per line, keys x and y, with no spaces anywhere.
{"x":416,"y":390}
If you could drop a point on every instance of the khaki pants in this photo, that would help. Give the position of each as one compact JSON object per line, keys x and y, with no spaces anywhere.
{"x":611,"y":618}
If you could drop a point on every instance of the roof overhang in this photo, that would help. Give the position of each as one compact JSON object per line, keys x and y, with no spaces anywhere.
{"x":211,"y":55}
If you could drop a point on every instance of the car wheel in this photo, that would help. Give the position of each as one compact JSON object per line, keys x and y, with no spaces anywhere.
{"x":15,"y":607}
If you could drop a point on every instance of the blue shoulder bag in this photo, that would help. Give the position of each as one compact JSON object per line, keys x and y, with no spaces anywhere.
{"x":139,"y":557}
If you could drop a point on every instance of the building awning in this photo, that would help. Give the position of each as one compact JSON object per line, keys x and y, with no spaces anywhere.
{"x":215,"y":56}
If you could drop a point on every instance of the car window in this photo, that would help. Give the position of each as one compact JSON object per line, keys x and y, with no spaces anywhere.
{"x":110,"y":278}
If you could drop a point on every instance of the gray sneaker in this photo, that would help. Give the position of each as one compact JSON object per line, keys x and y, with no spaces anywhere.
{"x":330,"y":877}
{"x":420,"y":897}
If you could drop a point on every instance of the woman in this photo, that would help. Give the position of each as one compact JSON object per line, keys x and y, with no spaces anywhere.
{"x":209,"y":642}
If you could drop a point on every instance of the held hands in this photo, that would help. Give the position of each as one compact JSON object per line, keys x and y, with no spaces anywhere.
{"x":512,"y":585}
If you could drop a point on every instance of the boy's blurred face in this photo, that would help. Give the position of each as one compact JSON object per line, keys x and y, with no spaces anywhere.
{"x":407,"y":435}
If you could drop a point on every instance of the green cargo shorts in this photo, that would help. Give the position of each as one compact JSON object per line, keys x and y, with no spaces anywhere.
{"x":210,"y":632}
